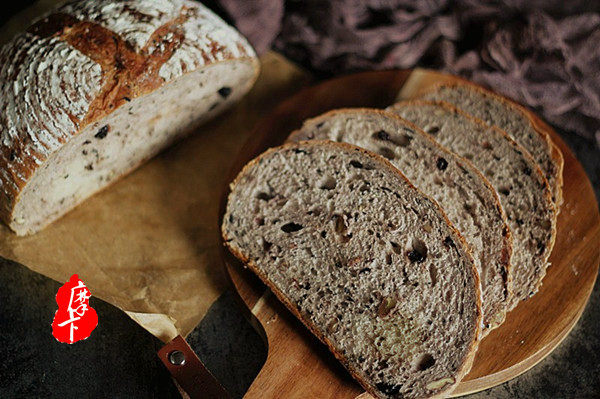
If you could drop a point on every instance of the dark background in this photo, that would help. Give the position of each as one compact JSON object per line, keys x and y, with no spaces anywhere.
{"x":119,"y":360}
{"x":12,"y":7}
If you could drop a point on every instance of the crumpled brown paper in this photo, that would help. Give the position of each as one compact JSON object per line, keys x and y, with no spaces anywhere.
{"x":149,"y":244}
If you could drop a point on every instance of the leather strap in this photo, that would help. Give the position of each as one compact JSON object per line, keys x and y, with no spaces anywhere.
{"x":189,"y":372}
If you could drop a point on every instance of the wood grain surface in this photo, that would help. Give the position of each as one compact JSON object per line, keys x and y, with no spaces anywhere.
{"x":298,"y":366}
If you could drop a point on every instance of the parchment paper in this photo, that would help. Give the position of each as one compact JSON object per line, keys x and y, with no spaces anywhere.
{"x":149,"y":244}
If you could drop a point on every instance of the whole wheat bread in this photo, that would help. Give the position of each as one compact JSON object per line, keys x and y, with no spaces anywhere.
{"x":523,"y":190}
{"x":96,"y":87}
{"x":371,"y":265}
{"x":509,"y":117}
{"x":468,"y":199}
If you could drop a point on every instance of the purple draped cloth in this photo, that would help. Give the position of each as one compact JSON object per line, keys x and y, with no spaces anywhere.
{"x":543,"y":53}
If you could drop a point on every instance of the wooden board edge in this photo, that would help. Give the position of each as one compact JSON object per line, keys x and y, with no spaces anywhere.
{"x":492,"y":380}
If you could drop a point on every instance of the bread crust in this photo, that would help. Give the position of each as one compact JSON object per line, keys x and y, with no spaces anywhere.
{"x":110,"y":72}
{"x":507,"y":238}
{"x":466,"y":363}
{"x":540,"y":128}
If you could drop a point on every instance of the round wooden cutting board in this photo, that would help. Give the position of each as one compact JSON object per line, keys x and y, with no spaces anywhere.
{"x":299,"y":366}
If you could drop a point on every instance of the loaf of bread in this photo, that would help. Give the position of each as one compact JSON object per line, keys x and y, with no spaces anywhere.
{"x":466,"y":196}
{"x":97,"y":87}
{"x":510,"y":117}
{"x":371,"y":265}
{"x":523,"y":191}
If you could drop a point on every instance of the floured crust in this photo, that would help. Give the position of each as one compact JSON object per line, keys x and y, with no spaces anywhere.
{"x":69,"y":70}
{"x":467,"y":362}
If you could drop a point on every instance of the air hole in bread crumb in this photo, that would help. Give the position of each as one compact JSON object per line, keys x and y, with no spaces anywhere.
{"x":448,"y":242}
{"x":449,"y":295}
{"x":432,"y":129}
{"x":381,"y":135}
{"x":388,"y":259}
{"x":425,"y":362}
{"x":546,"y":224}
{"x":504,"y":190}
{"x":396,"y":248}
{"x":418,"y":253}
{"x":441,"y":163}
{"x":264,"y":196}
{"x":266,"y":245}
{"x":291,"y":227}
{"x":541,"y":248}
{"x":314,"y":212}
{"x":341,"y":228}
{"x":389,"y":389}
{"x":386,"y":153}
{"x":356,"y":164}
{"x":433,"y":274}
{"x":340,"y":224}
{"x":102,"y":132}
{"x":328,"y":183}
{"x":224,"y":91}
{"x":282,"y":201}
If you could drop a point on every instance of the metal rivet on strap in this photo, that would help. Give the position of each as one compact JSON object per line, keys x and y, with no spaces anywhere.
{"x":177,"y":358}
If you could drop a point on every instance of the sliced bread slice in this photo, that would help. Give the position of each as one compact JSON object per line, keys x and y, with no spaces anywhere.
{"x":498,"y":111}
{"x":370,"y":264}
{"x":524,"y":192}
{"x":468,"y":199}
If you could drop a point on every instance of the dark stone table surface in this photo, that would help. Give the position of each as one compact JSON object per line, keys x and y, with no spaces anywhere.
{"x":119,"y":360}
